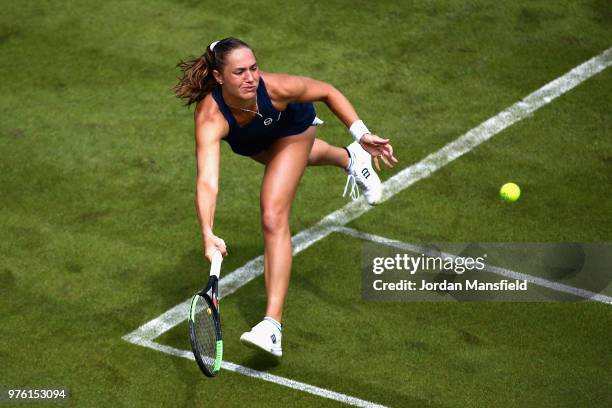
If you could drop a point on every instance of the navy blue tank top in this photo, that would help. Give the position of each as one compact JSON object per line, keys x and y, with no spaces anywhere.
{"x":262,"y":131}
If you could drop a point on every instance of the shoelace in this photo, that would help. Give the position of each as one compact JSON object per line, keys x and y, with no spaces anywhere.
{"x":354,"y":193}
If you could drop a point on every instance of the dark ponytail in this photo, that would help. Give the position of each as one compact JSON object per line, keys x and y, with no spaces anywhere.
{"x":198,"y":80}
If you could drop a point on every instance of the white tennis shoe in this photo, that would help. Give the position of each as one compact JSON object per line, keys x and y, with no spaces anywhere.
{"x":265,"y":336}
{"x":361,"y":173}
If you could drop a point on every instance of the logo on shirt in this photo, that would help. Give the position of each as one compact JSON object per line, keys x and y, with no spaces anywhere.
{"x":267,"y":121}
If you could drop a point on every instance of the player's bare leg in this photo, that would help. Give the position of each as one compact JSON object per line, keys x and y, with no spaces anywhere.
{"x":284,"y":170}
{"x":285,"y":162}
{"x":322,"y":153}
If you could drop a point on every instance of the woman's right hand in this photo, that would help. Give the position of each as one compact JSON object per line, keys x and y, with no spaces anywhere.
{"x":378,"y":148}
{"x":213,"y":243}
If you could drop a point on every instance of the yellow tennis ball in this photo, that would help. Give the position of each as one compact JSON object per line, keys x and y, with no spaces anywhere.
{"x":209,"y":311}
{"x":510,"y":192}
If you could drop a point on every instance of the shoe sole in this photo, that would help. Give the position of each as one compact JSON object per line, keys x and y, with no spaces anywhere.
{"x":256,"y":346}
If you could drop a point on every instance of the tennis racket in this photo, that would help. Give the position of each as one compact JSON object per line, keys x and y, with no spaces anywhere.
{"x":204,"y":323}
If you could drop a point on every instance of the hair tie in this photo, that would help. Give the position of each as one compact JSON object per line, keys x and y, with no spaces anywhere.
{"x":212,"y":45}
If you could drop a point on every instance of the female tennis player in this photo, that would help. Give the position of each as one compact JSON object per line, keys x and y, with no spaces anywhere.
{"x":270,"y":118}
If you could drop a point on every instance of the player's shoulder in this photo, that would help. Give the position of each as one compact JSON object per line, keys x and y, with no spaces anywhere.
{"x":208,"y":115}
{"x":207,"y":110}
{"x":281,"y":85}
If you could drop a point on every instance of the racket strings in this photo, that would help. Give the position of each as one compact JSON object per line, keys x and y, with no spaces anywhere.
{"x":205,"y":334}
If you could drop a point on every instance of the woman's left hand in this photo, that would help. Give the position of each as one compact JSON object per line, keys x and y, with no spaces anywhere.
{"x":378,"y":148}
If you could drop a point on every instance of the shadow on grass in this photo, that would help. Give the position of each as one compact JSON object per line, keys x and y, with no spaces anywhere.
{"x":261,"y":361}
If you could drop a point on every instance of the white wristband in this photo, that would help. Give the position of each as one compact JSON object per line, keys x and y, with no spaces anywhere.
{"x":358,"y":129}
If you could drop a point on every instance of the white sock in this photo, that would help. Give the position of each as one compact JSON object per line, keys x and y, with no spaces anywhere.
{"x":274,"y":322}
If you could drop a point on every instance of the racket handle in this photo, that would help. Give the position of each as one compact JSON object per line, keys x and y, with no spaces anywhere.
{"x":215,"y":266}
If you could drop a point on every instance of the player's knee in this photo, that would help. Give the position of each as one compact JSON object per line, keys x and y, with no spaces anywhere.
{"x":318,"y":151}
{"x":274,"y":219}
{"x":313,"y":159}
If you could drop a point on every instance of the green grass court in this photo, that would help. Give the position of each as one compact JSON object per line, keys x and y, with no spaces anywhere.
{"x":99,"y":233}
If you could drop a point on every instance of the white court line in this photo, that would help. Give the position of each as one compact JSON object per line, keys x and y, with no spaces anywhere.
{"x":559,"y":287}
{"x":311,"y":389}
{"x":391,"y":187}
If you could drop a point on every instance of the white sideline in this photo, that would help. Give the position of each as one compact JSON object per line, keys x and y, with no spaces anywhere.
{"x":405,"y":178}
{"x":559,"y":287}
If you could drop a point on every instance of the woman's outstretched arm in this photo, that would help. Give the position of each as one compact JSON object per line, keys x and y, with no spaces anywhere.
{"x":210,"y":127}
